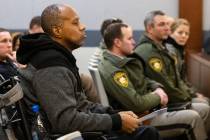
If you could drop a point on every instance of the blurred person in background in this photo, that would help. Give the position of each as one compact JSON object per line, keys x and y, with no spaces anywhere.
{"x":35,"y":25}
{"x":8,"y":65}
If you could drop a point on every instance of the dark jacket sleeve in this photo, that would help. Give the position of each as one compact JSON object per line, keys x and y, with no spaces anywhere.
{"x":153,"y":84}
{"x":67,"y":109}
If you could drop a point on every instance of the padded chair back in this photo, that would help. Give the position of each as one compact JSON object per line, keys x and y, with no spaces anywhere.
{"x":11,"y":92}
{"x":99,"y":84}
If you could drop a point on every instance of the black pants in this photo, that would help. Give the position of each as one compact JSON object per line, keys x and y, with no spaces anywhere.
{"x":142,"y":133}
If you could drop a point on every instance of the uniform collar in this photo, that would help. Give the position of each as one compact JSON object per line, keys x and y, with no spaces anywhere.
{"x":145,"y":38}
{"x":116,"y":60}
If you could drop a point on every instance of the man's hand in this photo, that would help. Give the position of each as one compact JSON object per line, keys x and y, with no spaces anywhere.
{"x":12,"y":56}
{"x":163,"y":96}
{"x":130,"y":121}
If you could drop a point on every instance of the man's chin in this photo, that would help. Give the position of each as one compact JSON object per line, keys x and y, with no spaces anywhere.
{"x":81,"y":43}
{"x":76,"y":46}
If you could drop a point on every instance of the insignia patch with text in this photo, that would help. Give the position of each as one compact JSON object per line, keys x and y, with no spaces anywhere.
{"x":156,"y":64}
{"x":121,"y":79}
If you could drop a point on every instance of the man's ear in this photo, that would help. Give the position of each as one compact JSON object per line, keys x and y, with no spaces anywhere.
{"x":117,"y":42}
{"x":57,"y":31}
{"x":149,"y":28}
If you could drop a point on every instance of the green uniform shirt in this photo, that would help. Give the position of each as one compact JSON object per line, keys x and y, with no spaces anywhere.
{"x":160,"y":66}
{"x":125,"y":82}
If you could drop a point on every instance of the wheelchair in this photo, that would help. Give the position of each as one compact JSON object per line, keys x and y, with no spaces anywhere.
{"x":13,"y":120}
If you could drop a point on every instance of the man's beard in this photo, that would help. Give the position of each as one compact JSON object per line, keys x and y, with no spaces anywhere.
{"x":73,"y":45}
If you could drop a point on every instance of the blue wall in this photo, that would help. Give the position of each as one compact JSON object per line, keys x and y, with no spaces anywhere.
{"x":94,"y":37}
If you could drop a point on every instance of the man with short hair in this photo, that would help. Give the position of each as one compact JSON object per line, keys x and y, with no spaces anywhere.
{"x":52,"y":80}
{"x":160,"y":65}
{"x":87,"y":82}
{"x":104,"y":25}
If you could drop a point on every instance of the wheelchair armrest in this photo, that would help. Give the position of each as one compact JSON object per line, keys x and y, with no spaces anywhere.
{"x":71,"y":136}
{"x":10,"y":92}
{"x":55,"y":136}
{"x":91,"y":135}
{"x":85,"y":135}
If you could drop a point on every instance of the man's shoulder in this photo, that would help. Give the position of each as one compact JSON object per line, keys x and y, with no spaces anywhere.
{"x":108,"y":69}
{"x":144,"y":49}
{"x":55,"y":70}
{"x":31,"y":73}
{"x":145,"y":44}
{"x":107,"y":60}
{"x":106,"y":66}
{"x":136,"y":59}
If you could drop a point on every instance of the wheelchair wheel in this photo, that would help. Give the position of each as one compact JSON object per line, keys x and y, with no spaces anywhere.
{"x":3,"y":135}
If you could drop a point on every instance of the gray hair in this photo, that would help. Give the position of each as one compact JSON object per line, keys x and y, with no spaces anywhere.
{"x":149,"y":19}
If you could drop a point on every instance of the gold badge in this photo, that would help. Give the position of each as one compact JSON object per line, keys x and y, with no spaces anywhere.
{"x":121,"y":79}
{"x":156,"y":64}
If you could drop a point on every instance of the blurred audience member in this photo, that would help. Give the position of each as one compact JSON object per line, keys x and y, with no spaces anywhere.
{"x":170,"y":20}
{"x":35,"y":25}
{"x":16,"y":40}
{"x":7,"y":59}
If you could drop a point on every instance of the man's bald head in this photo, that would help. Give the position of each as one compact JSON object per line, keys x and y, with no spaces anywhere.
{"x":63,"y":24}
{"x":52,"y":16}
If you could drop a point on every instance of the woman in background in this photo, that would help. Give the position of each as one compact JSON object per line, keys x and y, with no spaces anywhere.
{"x":15,"y":45}
{"x":176,"y":44}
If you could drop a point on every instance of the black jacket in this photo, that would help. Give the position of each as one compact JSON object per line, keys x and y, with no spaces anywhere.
{"x":51,"y":80}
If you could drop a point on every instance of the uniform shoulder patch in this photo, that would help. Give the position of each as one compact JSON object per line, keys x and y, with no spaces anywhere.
{"x":121,"y":78}
{"x":156,"y":64}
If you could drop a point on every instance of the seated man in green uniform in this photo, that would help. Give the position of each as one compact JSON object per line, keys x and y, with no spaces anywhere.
{"x":160,"y":65}
{"x":123,"y":78}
